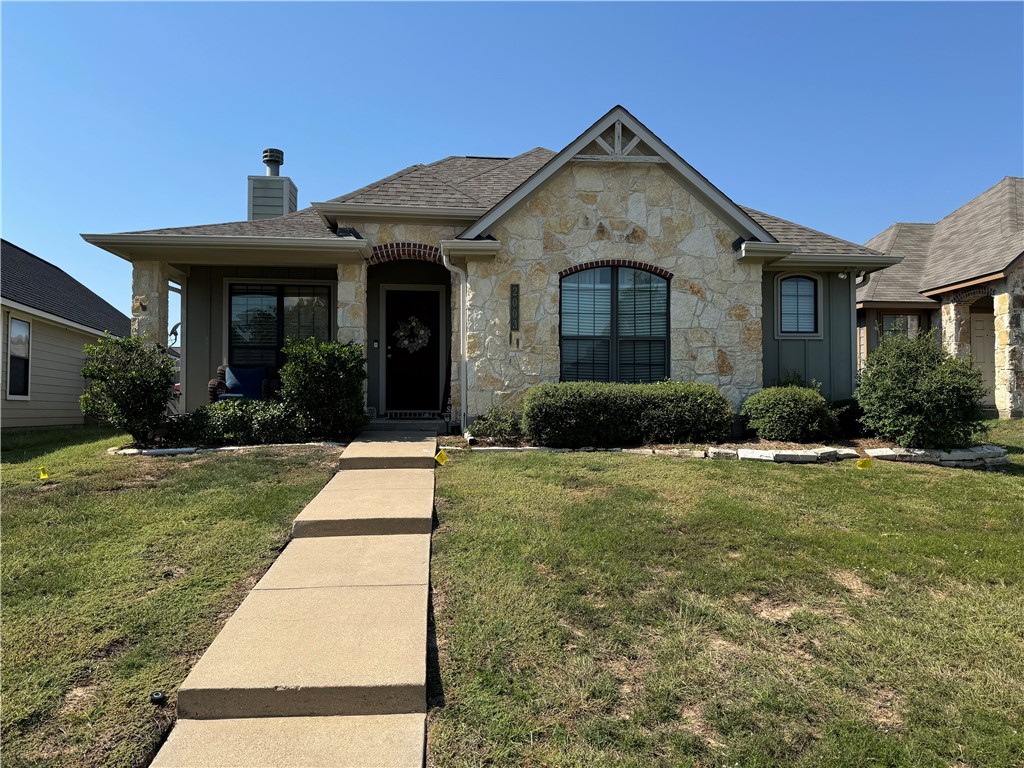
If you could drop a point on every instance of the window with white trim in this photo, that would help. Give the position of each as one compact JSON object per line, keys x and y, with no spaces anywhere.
{"x":614,"y":325}
{"x":798,"y":305}
{"x":19,"y":345}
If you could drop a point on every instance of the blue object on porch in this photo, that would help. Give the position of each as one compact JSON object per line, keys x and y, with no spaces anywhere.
{"x":245,"y":382}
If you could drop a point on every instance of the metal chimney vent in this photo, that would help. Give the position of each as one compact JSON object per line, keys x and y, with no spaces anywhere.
{"x":274,"y":159}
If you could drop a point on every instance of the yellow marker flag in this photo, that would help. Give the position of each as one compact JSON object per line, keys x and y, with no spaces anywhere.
{"x":441,"y":457}
{"x":864,"y":463}
{"x":43,"y":475}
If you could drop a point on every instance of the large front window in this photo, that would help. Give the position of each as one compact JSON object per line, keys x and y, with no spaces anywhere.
{"x":614,"y":326}
{"x":262,"y":316}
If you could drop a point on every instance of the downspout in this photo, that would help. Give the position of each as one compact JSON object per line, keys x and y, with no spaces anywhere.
{"x":463,"y":344}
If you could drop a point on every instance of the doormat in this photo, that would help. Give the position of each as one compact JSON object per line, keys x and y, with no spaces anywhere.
{"x":405,"y":415}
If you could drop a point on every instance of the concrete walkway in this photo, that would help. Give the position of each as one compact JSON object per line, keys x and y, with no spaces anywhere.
{"x":324,"y":663}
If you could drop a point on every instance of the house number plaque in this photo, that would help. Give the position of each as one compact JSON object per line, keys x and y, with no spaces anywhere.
{"x":513,"y":307}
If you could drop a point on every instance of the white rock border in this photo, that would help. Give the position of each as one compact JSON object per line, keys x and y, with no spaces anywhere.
{"x":221,"y":449}
{"x":979,"y":457}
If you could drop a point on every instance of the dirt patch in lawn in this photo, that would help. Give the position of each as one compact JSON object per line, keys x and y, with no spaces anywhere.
{"x":884,"y":706}
{"x":853,"y":583}
{"x":691,"y":720}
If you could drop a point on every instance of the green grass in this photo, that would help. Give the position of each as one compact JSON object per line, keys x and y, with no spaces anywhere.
{"x":608,"y":609}
{"x":117,"y":574}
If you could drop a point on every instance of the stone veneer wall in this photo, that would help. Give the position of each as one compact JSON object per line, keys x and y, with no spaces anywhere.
{"x":1009,"y":353}
{"x":620,"y":211}
{"x":586,"y":213}
{"x":149,"y":301}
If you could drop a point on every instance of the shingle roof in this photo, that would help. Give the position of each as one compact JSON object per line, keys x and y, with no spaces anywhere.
{"x":979,"y":238}
{"x":807,"y":240}
{"x":304,"y":223}
{"x":454,"y":182}
{"x":473,"y":183}
{"x":900,"y":282}
{"x":28,"y":280}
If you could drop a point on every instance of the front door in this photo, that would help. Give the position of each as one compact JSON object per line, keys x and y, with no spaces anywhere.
{"x":983,"y":350}
{"x":412,"y":350}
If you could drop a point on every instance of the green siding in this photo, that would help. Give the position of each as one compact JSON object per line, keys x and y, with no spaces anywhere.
{"x":828,"y":360}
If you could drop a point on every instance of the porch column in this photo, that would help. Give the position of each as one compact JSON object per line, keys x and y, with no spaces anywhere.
{"x":956,"y":328}
{"x":149,"y":301}
{"x":1009,"y":352}
{"x":352,"y":302}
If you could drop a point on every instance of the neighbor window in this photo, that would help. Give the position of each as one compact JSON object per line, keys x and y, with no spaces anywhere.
{"x":798,"y":305}
{"x":907,"y":324}
{"x":19,"y":342}
{"x":614,"y":326}
{"x":261,"y":317}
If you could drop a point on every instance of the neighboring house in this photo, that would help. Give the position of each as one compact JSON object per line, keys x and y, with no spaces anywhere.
{"x":612,"y":259}
{"x":963,"y":275}
{"x":48,"y":318}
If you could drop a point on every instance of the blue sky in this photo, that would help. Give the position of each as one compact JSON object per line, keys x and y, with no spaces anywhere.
{"x":842,"y":117}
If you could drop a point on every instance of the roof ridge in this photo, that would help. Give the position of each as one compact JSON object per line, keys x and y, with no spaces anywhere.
{"x":811,"y":229}
{"x":502,"y":164}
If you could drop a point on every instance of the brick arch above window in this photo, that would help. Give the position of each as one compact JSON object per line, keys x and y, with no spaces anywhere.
{"x":629,"y":263}
{"x":386,"y":252}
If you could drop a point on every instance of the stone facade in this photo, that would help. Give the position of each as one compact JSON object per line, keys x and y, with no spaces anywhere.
{"x":591,"y":212}
{"x":351,"y":316}
{"x":1009,"y":353}
{"x":149,"y":300}
{"x":956,"y":328}
{"x":588,"y":213}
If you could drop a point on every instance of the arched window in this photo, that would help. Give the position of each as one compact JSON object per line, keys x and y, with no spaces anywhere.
{"x":798,"y":302}
{"x":614,"y":325}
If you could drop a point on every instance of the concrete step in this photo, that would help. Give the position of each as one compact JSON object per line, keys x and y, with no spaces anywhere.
{"x":315,"y":652}
{"x":370,"y":502}
{"x":377,"y":741}
{"x":432,"y":426}
{"x":390,"y":450}
{"x":351,"y":561}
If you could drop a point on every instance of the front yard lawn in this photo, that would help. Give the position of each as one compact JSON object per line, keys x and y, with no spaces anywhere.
{"x":117,"y":574}
{"x":609,"y":609}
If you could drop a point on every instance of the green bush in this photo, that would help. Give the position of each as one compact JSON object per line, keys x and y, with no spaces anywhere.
{"x":499,"y":423}
{"x":577,"y":414}
{"x":322,"y":384}
{"x":791,"y":414}
{"x":917,"y":395}
{"x":130,"y":384}
{"x":235,"y":422}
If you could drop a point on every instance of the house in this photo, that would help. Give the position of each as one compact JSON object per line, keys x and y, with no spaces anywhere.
{"x":612,"y":259}
{"x":48,"y":318}
{"x":962,"y":275}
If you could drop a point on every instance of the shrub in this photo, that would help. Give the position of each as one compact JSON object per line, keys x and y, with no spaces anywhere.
{"x":235,"y":422}
{"x":577,"y":414}
{"x":917,"y":395}
{"x":847,"y":414}
{"x":792,"y":414}
{"x":322,"y":384}
{"x":130,"y":384}
{"x":499,"y":423}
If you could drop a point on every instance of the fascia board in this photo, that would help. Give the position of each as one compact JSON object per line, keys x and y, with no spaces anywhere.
{"x":52,"y":318}
{"x":362,"y":211}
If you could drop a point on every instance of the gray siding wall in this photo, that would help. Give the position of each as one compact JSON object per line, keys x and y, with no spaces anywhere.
{"x":271,"y":196}
{"x":56,"y":357}
{"x":206,"y":316}
{"x":828,"y":360}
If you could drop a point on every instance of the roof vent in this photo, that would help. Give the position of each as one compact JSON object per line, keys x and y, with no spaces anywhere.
{"x":273,"y":194}
{"x":274,"y":159}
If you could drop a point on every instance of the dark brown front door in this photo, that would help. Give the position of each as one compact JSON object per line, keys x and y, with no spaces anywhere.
{"x":412,"y":359}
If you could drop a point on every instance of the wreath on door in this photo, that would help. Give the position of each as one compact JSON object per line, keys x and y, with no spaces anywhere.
{"x":412,"y":335}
